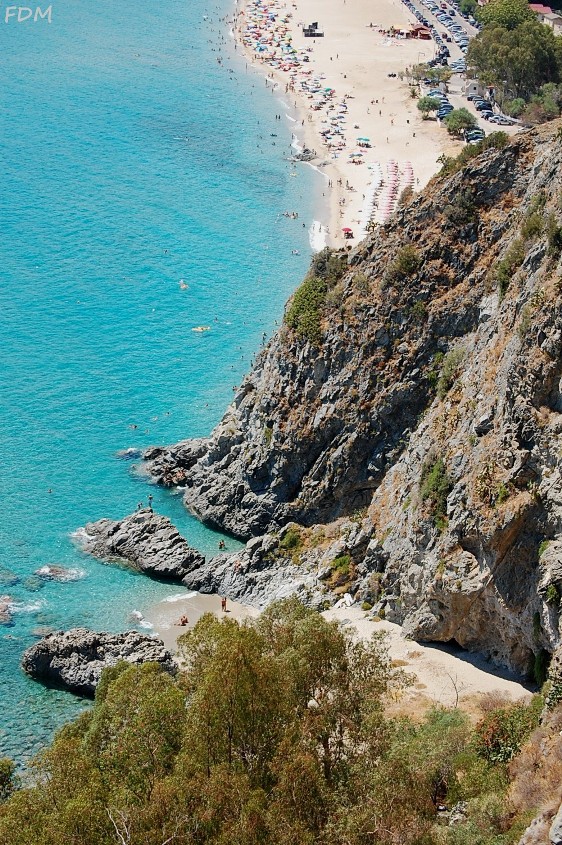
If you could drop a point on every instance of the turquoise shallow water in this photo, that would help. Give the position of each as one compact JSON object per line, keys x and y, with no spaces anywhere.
{"x":131,"y":160}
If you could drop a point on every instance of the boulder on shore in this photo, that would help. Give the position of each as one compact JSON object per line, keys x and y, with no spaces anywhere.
{"x":144,"y":540}
{"x":75,"y":659}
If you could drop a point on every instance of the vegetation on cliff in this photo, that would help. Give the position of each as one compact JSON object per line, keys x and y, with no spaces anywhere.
{"x":275,"y":734}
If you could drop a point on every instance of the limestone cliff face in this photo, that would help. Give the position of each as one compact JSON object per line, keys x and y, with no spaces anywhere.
{"x":431,"y":403}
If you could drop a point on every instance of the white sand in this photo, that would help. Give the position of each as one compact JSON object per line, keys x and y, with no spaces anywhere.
{"x":441,"y":677}
{"x":165,"y":616}
{"x":355,"y":59}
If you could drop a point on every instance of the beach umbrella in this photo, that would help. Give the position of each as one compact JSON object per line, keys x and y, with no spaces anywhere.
{"x":347,"y":230}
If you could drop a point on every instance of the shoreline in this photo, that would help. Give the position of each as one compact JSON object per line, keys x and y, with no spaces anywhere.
{"x":353,"y":59}
{"x":161,"y":619}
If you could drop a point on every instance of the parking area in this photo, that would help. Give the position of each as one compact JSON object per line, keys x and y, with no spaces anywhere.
{"x":451,"y":33}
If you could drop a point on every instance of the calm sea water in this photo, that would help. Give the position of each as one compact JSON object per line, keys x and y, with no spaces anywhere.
{"x":131,"y":160}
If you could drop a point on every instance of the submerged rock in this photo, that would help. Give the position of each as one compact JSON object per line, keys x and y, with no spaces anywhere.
{"x":75,"y":659}
{"x":144,"y":540}
{"x":54,"y":572}
{"x":33,"y":583}
{"x":8,"y":578}
{"x":5,"y":610}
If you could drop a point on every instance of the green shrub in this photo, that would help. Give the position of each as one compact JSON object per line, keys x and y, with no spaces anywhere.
{"x":304,"y":313}
{"x":418,"y":310}
{"x":9,"y":781}
{"x":366,"y":606}
{"x":537,"y":203}
{"x":342,"y":564}
{"x":496,"y":140}
{"x":328,"y":265}
{"x":462,"y":209}
{"x":501,"y":733}
{"x":406,"y":263}
{"x":435,"y":487}
{"x":543,"y":546}
{"x":435,"y":370}
{"x":292,"y":541}
{"x":267,"y":434}
{"x":502,"y":494}
{"x":449,"y":371}
{"x":532,"y":227}
{"x":305,"y":310}
{"x":554,"y":236}
{"x":551,"y":595}
{"x":512,"y":260}
{"x":514,"y":107}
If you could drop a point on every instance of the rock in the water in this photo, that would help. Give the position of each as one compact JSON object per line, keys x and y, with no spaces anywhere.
{"x":75,"y":659}
{"x":145,"y":540}
{"x":54,"y":572}
{"x":8,"y":578}
{"x":5,"y":610}
{"x":33,"y":583}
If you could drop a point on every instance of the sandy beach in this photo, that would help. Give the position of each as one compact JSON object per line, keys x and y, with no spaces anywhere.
{"x":441,"y":677}
{"x":341,"y":87}
{"x":165,"y":616}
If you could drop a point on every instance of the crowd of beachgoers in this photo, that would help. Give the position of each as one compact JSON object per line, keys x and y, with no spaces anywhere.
{"x":272,"y":36}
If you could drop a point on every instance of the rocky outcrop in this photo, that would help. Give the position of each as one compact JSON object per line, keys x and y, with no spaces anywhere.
{"x":54,"y":572}
{"x":144,"y":540}
{"x":75,"y":659}
{"x":5,"y":610}
{"x":315,"y":426}
{"x":427,"y":402}
{"x":315,"y":565}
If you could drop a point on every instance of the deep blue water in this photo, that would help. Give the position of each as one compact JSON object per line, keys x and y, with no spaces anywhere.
{"x":131,"y":160}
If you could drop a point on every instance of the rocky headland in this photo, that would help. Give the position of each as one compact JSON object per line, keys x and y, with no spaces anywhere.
{"x":407,"y":418}
{"x":75,"y":659}
{"x":144,"y":540}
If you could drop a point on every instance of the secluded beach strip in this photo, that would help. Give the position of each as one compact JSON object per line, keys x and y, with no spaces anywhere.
{"x":439,"y":678}
{"x":341,"y":85}
{"x":165,"y":616}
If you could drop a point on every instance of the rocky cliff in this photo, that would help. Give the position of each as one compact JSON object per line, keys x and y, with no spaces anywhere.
{"x":412,"y":399}
{"x":143,"y":540}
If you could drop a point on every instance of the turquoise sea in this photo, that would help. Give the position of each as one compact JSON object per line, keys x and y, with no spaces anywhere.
{"x":134,"y":164}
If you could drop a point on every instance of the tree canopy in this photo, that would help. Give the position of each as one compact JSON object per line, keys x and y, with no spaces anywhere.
{"x":517,"y":61}
{"x":428,"y":104}
{"x":459,"y":120}
{"x":508,"y":14}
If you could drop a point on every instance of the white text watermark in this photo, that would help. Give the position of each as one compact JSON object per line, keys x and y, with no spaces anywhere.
{"x":27,"y":14}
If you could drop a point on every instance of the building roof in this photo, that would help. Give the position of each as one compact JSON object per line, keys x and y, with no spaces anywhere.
{"x":539,"y":9}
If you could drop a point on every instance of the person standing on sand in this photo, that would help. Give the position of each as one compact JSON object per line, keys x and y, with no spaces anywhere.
{"x":223,"y":605}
